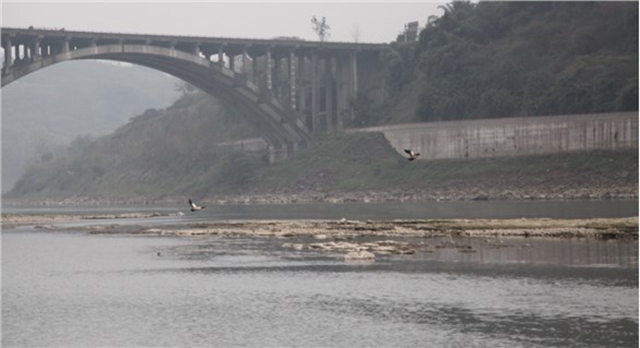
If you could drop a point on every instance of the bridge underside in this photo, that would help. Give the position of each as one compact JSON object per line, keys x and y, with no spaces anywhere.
{"x":284,"y":133}
{"x":290,"y":89}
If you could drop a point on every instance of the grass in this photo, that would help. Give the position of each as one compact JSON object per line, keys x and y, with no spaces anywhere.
{"x":337,"y":163}
{"x":366,"y":161}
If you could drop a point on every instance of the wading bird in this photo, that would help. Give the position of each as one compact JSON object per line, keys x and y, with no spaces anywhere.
{"x":194,"y":206}
{"x":412,"y":154}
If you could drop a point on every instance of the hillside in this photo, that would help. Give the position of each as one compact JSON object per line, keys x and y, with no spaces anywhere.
{"x":49,"y":108}
{"x":161,"y":152}
{"x":505,"y":59}
{"x":465,"y":65}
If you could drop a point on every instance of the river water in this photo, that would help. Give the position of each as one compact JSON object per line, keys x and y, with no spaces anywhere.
{"x":74,"y":289}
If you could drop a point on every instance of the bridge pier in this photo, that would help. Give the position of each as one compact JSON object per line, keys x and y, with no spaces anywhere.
{"x":302,"y":89}
{"x":8,"y":54}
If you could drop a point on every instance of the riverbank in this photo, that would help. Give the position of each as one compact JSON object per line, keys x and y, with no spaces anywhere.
{"x":348,"y":168}
{"x":354,"y":239}
{"x":597,"y":228}
{"x":617,"y":228}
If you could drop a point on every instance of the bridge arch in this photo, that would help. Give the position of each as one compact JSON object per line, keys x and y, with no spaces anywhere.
{"x":280,"y":127}
{"x":306,"y":88}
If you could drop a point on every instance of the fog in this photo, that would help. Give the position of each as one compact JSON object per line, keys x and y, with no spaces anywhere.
{"x":31,"y":129}
{"x":364,"y":21}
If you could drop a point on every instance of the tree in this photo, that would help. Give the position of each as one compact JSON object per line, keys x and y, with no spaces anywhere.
{"x":321,"y":28}
{"x":355,"y":32}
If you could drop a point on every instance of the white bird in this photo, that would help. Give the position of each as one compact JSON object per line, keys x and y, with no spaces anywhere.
{"x":194,"y":206}
{"x":412,"y":154}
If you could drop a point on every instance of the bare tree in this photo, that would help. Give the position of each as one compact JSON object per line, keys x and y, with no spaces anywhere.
{"x":321,"y":28}
{"x":355,"y":32}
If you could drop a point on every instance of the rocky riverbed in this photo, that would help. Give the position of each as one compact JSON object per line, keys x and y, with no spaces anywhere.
{"x":599,"y":228}
{"x":360,"y":240}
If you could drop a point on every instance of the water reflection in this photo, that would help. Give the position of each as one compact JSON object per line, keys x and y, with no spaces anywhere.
{"x":85,"y":290}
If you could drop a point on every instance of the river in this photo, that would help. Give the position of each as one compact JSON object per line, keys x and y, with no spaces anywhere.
{"x":74,"y":289}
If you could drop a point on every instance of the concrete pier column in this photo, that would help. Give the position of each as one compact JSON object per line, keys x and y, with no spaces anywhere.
{"x":302,"y":84}
{"x":269,"y":71}
{"x":8,"y":53}
{"x":328,"y":83}
{"x":314,"y":92}
{"x":36,"y":48}
{"x":232,"y":63}
{"x":292,"y":80}
{"x":27,"y":51}
{"x":221,"y":56}
{"x":65,"y":45}
{"x":245,"y":63}
{"x":353,"y":71}
{"x":196,"y":49}
{"x":254,"y":69}
{"x":276,"y":77}
{"x":94,"y":45}
{"x":352,"y":80}
{"x":340,"y":94}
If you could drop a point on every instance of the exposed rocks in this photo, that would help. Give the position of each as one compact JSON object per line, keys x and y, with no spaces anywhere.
{"x":375,"y":247}
{"x":366,"y":240}
{"x":359,"y":256}
{"x":345,"y":231}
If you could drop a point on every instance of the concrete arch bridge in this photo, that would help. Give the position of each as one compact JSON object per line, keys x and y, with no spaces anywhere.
{"x":292,"y":89}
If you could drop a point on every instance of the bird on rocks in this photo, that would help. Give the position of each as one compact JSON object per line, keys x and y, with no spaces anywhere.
{"x":195,"y":207}
{"x":412,"y":154}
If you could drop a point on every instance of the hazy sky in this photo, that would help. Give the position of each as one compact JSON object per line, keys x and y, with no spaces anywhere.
{"x":375,"y":21}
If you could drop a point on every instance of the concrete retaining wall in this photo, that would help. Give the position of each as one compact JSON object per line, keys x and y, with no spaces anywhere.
{"x":515,"y":136}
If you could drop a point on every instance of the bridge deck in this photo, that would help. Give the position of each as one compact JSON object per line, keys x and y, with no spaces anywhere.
{"x":24,"y":36}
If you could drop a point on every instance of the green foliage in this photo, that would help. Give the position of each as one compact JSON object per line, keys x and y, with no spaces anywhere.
{"x":160,"y":153}
{"x":501,"y":59}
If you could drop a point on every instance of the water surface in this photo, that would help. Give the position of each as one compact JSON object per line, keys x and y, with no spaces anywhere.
{"x":78,"y":290}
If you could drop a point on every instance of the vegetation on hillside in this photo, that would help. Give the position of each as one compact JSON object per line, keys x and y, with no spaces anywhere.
{"x":48,"y":108}
{"x":161,"y":152}
{"x":502,"y":59}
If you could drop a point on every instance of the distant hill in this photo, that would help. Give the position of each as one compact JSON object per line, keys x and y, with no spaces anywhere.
{"x":479,"y":60}
{"x":49,"y":108}
{"x":160,"y":153}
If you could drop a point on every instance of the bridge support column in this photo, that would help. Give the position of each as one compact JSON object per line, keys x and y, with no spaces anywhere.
{"x":245,"y":63}
{"x":353,"y":65}
{"x":8,"y":54}
{"x":276,"y":77}
{"x":302,"y":84}
{"x":292,"y":80}
{"x":35,"y":54}
{"x":221,"y":56}
{"x":269,"y":71}
{"x":328,"y":93}
{"x":314,"y":93}
{"x":352,"y":80}
{"x":340,"y":94}
{"x":232,"y":63}
{"x":254,"y":66}
{"x":65,"y":45}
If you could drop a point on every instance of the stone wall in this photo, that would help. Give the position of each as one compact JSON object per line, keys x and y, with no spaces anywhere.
{"x":515,"y":136}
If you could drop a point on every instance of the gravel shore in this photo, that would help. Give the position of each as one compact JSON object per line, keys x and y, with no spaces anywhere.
{"x":600,"y":228}
{"x":360,"y":240}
